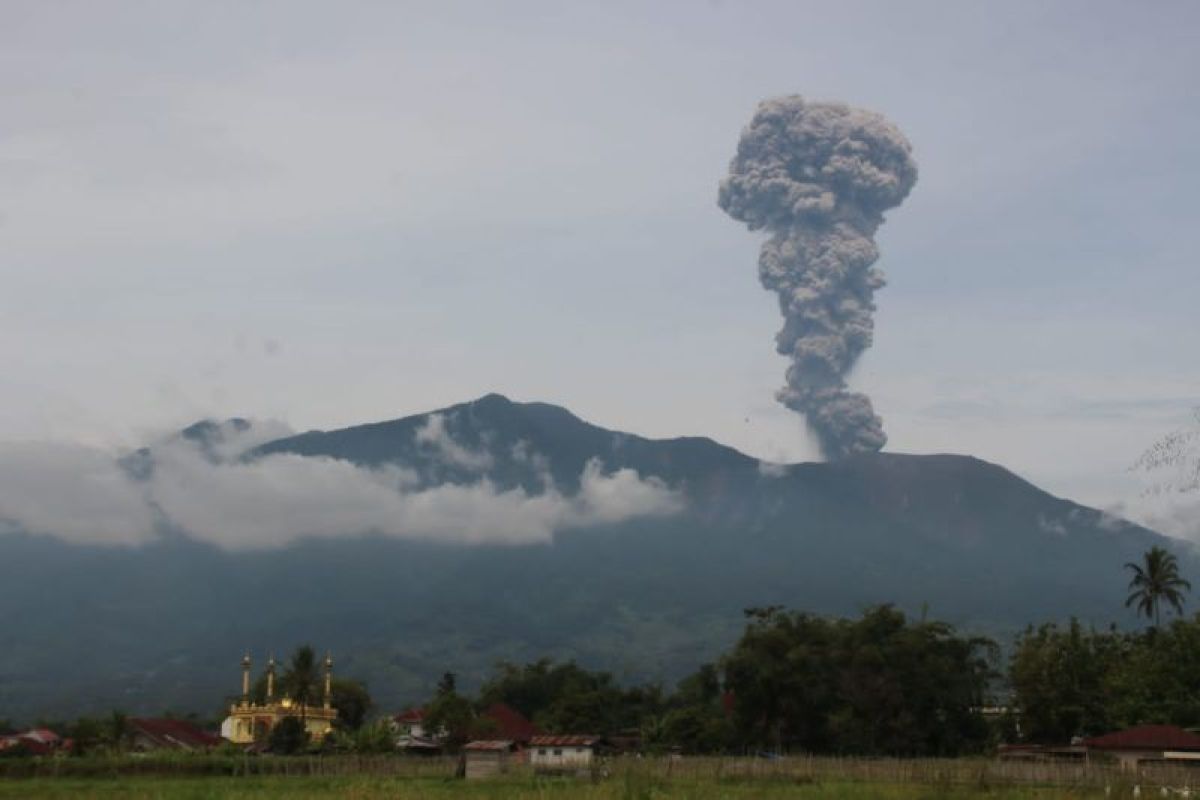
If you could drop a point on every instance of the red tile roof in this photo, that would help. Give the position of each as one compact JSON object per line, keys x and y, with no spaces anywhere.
{"x":1146,"y":737}
{"x":564,"y":741}
{"x":510,"y":723}
{"x":38,"y":741}
{"x":43,"y":735}
{"x":410,"y":715}
{"x":175,"y":734}
{"x":23,"y":745}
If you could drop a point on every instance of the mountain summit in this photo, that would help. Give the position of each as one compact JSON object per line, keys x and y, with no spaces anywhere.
{"x":648,"y":596}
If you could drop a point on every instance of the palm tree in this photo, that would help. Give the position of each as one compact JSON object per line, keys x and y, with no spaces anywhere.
{"x":301,"y":680}
{"x":1154,"y":581}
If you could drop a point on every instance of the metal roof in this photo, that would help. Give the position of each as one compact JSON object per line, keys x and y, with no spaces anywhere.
{"x":564,"y":741}
{"x":490,"y":745}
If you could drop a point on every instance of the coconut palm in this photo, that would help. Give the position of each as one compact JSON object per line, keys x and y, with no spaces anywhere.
{"x":301,"y":681}
{"x":1155,"y":581}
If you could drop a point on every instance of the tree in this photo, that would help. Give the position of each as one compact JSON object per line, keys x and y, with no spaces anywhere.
{"x":302,"y":682}
{"x":566,"y":698}
{"x":352,"y":701}
{"x":288,"y":736}
{"x":118,"y":731}
{"x":1155,"y":581}
{"x":450,"y":716}
{"x":882,"y":684}
{"x":378,"y":737}
{"x":1061,"y":681}
{"x":88,"y":734}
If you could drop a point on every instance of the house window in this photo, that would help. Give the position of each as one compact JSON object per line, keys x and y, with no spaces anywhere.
{"x":558,"y":752}
{"x":541,"y":751}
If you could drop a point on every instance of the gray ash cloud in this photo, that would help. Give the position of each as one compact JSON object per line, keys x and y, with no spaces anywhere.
{"x":818,"y":178}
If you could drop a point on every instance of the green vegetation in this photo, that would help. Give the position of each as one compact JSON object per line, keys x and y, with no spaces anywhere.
{"x":301,"y":681}
{"x":288,"y":737}
{"x":564,"y":697}
{"x":1155,"y":581}
{"x":879,"y":685}
{"x":202,"y":776}
{"x":452,"y":714}
{"x":1070,"y":681}
{"x":365,"y":788}
{"x":882,"y":684}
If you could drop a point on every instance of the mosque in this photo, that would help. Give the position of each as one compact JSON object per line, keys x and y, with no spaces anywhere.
{"x":252,"y":722}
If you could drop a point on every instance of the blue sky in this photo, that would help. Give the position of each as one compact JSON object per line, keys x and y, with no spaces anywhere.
{"x":334,"y":213}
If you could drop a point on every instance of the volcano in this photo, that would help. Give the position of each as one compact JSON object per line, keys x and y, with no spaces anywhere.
{"x":162,"y":627}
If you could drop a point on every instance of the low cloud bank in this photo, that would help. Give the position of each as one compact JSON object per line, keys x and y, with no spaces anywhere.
{"x":87,"y":495}
{"x":434,"y":436}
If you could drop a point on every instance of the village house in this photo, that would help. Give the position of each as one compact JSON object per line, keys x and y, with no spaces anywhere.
{"x":250,"y":722}
{"x":411,"y":734}
{"x":35,"y":742}
{"x":489,"y":757}
{"x":562,"y":753}
{"x":500,"y":722}
{"x":508,"y":723}
{"x":1135,"y":745}
{"x":169,"y":734}
{"x":410,"y":722}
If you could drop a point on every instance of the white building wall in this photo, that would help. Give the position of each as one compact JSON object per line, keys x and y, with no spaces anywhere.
{"x":561,"y":756}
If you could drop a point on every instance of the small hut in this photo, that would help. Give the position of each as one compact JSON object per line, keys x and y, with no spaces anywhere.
{"x":563,"y":753}
{"x":488,"y":757}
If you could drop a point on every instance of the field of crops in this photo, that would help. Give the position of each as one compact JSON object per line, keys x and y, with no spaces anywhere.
{"x":367,"y":778}
{"x":621,"y":788}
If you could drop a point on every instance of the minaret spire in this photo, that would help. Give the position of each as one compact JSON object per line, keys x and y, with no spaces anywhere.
{"x":246,"y":677}
{"x":328,"y":679}
{"x":271,"y":678}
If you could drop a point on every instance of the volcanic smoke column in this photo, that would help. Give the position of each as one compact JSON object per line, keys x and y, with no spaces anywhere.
{"x":818,"y":177}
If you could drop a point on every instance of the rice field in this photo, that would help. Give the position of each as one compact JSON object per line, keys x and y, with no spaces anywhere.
{"x":370,"y":777}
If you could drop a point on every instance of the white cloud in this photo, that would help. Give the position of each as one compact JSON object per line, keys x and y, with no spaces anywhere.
{"x":82,"y":495}
{"x":433,"y":435}
{"x":620,"y":495}
{"x":75,"y":492}
{"x":1051,"y":526}
{"x":770,"y":469}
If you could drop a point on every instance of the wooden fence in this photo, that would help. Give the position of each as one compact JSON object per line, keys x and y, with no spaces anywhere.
{"x":929,"y":771}
{"x":980,"y":772}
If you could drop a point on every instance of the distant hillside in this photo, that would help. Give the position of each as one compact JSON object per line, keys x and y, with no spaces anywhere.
{"x":164,"y":625}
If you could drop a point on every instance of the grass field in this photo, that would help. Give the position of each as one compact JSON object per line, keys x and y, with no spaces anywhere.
{"x":615,"y":788}
{"x":184,"y":777}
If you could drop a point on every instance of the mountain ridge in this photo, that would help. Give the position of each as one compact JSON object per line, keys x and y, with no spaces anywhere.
{"x":649,"y":598}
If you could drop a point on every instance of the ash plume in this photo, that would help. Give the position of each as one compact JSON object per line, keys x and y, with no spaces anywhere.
{"x":818,"y":178}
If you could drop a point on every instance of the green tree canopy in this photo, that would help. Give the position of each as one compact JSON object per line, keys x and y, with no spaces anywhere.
{"x":882,"y":684}
{"x":352,"y":701}
{"x":566,"y":698}
{"x":1070,"y":681}
{"x":288,"y":736}
{"x":1156,"y":581}
{"x":302,"y":679}
{"x":1060,"y":679}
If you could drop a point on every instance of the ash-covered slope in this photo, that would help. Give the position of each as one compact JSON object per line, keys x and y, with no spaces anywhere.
{"x":650,"y":598}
